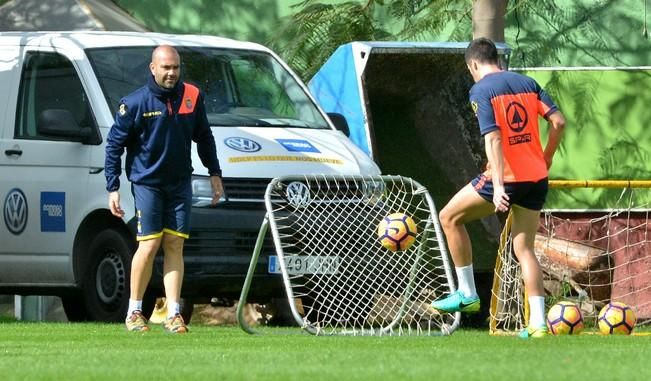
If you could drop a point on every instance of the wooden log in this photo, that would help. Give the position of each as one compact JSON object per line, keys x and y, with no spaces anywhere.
{"x":583,"y":267}
{"x":571,"y":254}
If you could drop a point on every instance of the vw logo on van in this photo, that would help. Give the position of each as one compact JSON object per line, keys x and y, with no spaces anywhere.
{"x":242,"y":144}
{"x":298,"y":194}
{"x":15,"y":211}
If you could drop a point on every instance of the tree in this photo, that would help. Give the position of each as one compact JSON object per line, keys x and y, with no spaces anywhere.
{"x":308,"y":37}
{"x":488,"y":19}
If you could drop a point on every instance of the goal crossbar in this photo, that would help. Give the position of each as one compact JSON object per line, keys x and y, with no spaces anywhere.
{"x":600,"y":183}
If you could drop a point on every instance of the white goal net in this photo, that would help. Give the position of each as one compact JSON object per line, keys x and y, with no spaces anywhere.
{"x":589,"y":257}
{"x":338,"y":276}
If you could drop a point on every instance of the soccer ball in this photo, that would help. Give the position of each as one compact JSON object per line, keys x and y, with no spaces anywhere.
{"x":565,"y":318}
{"x":616,"y":318}
{"x":397,"y":231}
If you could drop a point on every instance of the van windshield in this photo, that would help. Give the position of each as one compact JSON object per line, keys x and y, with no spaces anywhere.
{"x":241,"y":87}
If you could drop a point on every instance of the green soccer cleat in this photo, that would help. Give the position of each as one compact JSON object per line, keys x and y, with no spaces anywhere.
{"x":175,"y":324}
{"x":456,"y":302}
{"x":535,"y":333}
{"x":136,"y":322}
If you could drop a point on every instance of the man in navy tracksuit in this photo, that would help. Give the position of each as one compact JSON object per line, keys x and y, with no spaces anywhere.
{"x":157,"y":124}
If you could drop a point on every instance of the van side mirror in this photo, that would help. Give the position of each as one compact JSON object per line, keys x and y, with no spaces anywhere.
{"x":61,"y":123}
{"x":340,"y":122}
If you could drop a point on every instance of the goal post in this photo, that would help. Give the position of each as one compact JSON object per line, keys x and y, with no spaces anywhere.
{"x":589,"y":256}
{"x":338,"y":276}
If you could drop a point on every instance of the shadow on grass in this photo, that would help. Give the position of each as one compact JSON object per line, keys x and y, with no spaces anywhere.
{"x":8,"y":319}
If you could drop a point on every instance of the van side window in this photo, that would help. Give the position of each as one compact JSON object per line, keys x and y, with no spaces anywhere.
{"x":49,"y":82}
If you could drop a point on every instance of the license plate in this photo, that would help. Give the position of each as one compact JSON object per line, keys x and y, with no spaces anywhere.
{"x":304,"y":264}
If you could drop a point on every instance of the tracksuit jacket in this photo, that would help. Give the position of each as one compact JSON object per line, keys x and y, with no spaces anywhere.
{"x":157,"y":127}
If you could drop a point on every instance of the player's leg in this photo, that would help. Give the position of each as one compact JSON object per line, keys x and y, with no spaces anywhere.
{"x":523,"y":231}
{"x":149,"y":233}
{"x":176,"y":229}
{"x":465,"y":206}
{"x":173,"y":270}
{"x":528,"y":199}
{"x":142,"y":265}
{"x":141,"y":269}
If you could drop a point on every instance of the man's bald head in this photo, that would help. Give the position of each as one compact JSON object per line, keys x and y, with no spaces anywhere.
{"x":163,"y":51}
{"x":165,"y":66}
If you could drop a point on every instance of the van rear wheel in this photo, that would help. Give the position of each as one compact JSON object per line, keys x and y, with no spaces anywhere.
{"x":105,"y":291}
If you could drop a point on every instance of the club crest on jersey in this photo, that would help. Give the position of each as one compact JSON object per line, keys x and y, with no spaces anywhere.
{"x":474,"y":106}
{"x":188,"y":103}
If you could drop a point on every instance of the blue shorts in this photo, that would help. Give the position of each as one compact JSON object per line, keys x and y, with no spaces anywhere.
{"x":163,"y":209}
{"x":527,"y":194}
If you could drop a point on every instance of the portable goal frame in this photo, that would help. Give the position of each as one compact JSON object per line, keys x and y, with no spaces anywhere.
{"x":338,"y":277}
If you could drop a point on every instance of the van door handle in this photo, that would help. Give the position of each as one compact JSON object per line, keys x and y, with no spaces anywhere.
{"x":13,"y":152}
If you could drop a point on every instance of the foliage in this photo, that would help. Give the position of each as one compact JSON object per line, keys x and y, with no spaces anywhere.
{"x":309,"y":36}
{"x":577,"y":33}
{"x":540,"y":32}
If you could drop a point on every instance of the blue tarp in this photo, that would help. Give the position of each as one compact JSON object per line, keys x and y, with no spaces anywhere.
{"x":338,"y":85}
{"x":336,"y":89}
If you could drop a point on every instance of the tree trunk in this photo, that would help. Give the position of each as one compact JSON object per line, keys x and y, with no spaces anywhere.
{"x":488,"y":19}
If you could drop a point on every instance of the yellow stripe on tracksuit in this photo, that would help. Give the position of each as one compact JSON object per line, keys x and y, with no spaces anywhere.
{"x":160,"y":234}
{"x":174,"y":232}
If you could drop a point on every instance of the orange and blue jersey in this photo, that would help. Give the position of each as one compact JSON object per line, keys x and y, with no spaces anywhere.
{"x":511,"y":102}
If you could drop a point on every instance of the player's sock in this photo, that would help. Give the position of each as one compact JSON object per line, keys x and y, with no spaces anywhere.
{"x":466,"y":278}
{"x":134,"y":305}
{"x":536,"y":311}
{"x":173,"y":308}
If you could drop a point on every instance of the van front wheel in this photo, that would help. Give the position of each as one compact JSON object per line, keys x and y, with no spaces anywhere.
{"x":106,"y":285}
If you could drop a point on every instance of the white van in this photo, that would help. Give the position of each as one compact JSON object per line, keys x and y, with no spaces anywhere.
{"x":60,"y":93}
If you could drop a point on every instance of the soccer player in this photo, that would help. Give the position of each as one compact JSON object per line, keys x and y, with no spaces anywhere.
{"x":507,"y":106}
{"x":157,"y":124}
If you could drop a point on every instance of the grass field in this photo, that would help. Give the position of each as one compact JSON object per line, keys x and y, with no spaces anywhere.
{"x":62,"y":351}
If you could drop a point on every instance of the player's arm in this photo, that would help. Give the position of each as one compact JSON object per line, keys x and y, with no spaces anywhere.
{"x":207,"y":151}
{"x":217,"y":189}
{"x":481,"y":105}
{"x":547,"y":108}
{"x":114,"y":204}
{"x":556,"y":122}
{"x":493,"y":143}
{"x":115,"y":143}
